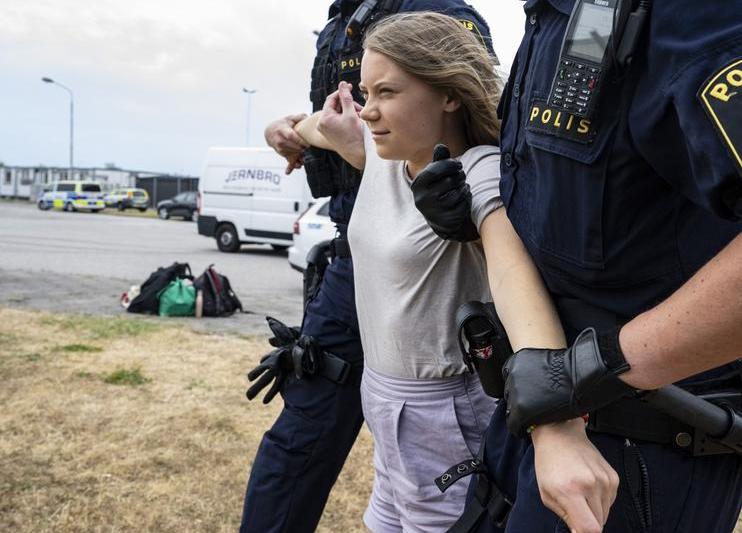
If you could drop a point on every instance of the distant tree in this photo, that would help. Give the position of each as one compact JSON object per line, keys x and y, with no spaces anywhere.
{"x":111,"y":166}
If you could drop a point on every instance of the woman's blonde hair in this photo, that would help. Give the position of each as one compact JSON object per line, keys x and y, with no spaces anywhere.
{"x":438,"y":50}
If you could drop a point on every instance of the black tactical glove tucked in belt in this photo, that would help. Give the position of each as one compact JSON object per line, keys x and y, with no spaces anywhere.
{"x":297,"y":354}
{"x":544,"y":386}
{"x":443,"y":197}
{"x":277,"y":365}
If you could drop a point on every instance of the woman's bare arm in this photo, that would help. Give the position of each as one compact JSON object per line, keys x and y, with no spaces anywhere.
{"x":574,"y":480}
{"x":307,"y":130}
{"x":337,"y":127}
{"x":522,"y":302}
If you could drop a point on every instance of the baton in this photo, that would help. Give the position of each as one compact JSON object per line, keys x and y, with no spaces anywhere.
{"x":719,"y":422}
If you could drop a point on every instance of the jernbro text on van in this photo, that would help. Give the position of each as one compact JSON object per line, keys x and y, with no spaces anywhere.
{"x":257,"y":174}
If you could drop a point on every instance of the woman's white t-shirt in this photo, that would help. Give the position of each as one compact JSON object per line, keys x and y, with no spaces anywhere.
{"x":408,"y":281}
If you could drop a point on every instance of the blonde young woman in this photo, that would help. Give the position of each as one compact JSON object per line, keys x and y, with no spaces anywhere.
{"x":426,"y":81}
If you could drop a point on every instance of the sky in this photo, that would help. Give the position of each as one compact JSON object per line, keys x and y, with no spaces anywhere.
{"x":157,"y":82}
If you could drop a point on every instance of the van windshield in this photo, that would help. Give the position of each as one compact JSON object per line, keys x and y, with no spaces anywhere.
{"x":90,"y":187}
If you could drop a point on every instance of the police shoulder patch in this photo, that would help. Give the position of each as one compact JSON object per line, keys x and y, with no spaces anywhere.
{"x":721,"y":97}
{"x":472,"y":27}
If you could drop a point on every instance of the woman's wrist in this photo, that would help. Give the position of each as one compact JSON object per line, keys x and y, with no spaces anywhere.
{"x":575,"y":425}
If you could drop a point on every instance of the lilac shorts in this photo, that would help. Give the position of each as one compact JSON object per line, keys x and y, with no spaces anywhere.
{"x":421,"y":427}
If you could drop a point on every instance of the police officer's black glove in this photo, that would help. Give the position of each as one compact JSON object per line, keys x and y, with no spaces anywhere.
{"x":544,"y":386}
{"x":443,"y":197}
{"x":276,"y":367}
{"x":283,"y":335}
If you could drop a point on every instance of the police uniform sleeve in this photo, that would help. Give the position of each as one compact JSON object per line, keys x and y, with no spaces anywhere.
{"x":686,"y":115}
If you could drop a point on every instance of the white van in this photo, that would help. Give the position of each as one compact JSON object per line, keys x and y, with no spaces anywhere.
{"x":245,"y":197}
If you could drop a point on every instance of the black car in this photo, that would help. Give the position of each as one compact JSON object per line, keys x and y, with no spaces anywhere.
{"x":182,"y":205}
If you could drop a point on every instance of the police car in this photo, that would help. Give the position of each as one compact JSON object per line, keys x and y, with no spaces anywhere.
{"x":124,"y":198}
{"x":312,"y":227}
{"x":73,"y":196}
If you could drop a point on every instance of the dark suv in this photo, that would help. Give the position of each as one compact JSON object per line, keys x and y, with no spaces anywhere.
{"x":182,"y":205}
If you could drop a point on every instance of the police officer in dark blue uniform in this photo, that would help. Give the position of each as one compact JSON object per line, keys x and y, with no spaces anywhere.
{"x":622,"y":174}
{"x":301,"y":456}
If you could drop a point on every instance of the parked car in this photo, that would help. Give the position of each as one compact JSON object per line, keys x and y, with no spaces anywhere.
{"x":182,"y":205}
{"x":40,"y":196}
{"x":122,"y":199}
{"x":312,"y":227}
{"x":247,"y":197}
{"x":73,"y":196}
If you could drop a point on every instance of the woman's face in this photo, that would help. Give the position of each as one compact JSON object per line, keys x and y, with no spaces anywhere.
{"x":406,"y":116}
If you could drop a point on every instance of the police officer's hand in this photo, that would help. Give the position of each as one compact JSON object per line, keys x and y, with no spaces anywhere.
{"x":280,"y":136}
{"x":574,"y":480}
{"x":274,"y":367}
{"x":443,"y":197}
{"x":340,"y":124}
{"x":543,"y":386}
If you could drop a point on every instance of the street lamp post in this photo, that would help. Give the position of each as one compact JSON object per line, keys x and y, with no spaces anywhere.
{"x":72,"y":120}
{"x":249,"y":93}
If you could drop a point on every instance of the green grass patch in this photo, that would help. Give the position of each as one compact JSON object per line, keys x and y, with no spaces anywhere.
{"x":84,"y":375}
{"x":222,"y":425}
{"x":7,"y":339}
{"x":102,"y":327}
{"x":123,"y":376}
{"x":33,"y":357}
{"x":85,"y":348}
{"x":197,"y":384}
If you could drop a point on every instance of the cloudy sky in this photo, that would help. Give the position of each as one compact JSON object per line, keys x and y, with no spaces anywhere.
{"x":156,"y":82}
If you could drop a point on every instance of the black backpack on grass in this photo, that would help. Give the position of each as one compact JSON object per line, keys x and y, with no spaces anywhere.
{"x":147,"y":300}
{"x":218,"y":297}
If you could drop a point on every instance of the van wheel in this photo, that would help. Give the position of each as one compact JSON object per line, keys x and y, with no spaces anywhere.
{"x":163,"y":214}
{"x":120,"y":206}
{"x":69,"y":207}
{"x":279,"y":247}
{"x":42,"y":205}
{"x":227,"y":239}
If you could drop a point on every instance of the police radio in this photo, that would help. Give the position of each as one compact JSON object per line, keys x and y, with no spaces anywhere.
{"x":360,"y":19}
{"x":602,"y":35}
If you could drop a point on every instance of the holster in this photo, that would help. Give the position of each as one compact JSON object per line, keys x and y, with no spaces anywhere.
{"x":311,"y":360}
{"x":317,"y":262}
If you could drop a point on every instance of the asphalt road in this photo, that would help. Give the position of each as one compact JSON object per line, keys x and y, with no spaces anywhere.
{"x":82,"y":262}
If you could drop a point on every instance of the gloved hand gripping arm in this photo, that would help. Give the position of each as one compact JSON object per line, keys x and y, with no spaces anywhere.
{"x":544,"y":386}
{"x":443,"y":197}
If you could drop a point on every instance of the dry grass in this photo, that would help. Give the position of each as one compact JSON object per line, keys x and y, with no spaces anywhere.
{"x":128,"y":425}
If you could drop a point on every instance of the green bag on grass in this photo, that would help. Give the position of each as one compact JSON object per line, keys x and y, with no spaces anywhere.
{"x":178,"y":298}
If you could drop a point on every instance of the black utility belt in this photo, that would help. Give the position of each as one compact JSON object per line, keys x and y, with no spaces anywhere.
{"x":636,"y":420}
{"x":339,"y":247}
